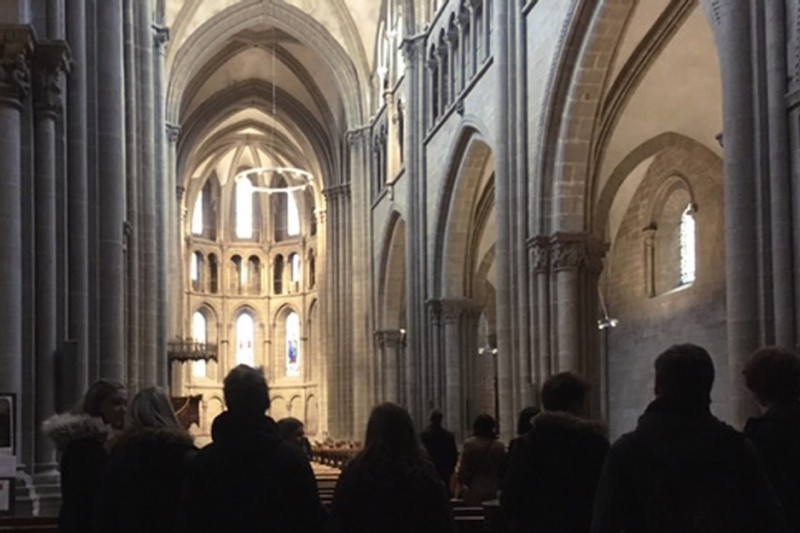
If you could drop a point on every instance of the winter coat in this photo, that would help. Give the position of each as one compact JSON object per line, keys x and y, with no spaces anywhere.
{"x":80,"y":440}
{"x":367,"y":501}
{"x":552,"y":474}
{"x":142,"y":484}
{"x":684,"y":470}
{"x":441,"y":447}
{"x":776,"y":436}
{"x":483,"y":461}
{"x":249,"y":479}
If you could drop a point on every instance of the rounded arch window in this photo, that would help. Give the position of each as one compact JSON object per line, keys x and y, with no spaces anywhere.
{"x":292,"y":344}
{"x":200,"y":336}
{"x":245,"y":339}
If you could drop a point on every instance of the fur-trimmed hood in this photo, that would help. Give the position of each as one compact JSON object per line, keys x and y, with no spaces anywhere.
{"x":568,"y":422}
{"x":68,"y":427}
{"x":159,"y":436}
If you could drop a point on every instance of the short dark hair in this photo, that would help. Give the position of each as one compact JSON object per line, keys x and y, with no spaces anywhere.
{"x":563,"y":392}
{"x":687,"y":370}
{"x":484,"y":426}
{"x":436,"y":416}
{"x":524,"y":419}
{"x":246,"y":391}
{"x":773,"y":374}
{"x":97,"y":394}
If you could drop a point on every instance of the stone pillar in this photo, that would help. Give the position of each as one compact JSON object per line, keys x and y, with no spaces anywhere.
{"x":576,"y":263}
{"x":50,"y":62}
{"x":454,"y":412}
{"x":16,"y":44}
{"x":733,"y":28}
{"x":539,"y":265}
{"x":111,"y":188}
{"x":504,"y":266}
{"x":390,"y":380}
{"x":163,"y":203}
{"x":420,"y":365}
{"x":780,"y":179}
{"x":175,"y":244}
{"x":76,"y":370}
{"x":147,"y":208}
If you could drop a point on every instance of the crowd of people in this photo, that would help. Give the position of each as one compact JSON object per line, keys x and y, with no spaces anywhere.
{"x":130,"y":466}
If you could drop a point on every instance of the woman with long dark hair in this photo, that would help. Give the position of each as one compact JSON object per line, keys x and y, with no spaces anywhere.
{"x":391,"y":486}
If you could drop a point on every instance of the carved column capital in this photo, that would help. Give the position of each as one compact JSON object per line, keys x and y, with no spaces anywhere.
{"x":390,"y":338}
{"x":160,"y":36}
{"x":16,"y":46}
{"x":577,"y":251}
{"x":411,"y":47}
{"x":173,"y":132}
{"x":455,"y":308}
{"x":50,"y":60}
{"x":539,"y":253}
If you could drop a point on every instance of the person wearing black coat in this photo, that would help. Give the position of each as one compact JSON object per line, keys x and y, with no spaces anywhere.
{"x":773,"y":375}
{"x":249,"y":479}
{"x":80,"y":438}
{"x":144,"y":477}
{"x":391,"y":486}
{"x":441,"y":446}
{"x":682,"y":469}
{"x":553,"y":469}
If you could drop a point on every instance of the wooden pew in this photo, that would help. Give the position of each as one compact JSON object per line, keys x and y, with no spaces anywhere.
{"x":28,"y":524}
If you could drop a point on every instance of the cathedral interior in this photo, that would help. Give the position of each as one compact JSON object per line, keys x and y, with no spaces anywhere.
{"x":438,"y":203}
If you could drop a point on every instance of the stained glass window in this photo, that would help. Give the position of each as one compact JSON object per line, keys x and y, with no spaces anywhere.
{"x":292,"y":345}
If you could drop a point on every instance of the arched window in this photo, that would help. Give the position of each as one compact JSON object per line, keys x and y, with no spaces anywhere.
{"x":296,"y":271}
{"x":292,"y":345}
{"x":312,"y":269}
{"x":292,"y":216}
{"x":197,"y":216}
{"x":433,"y":64}
{"x":245,"y":340}
{"x":244,"y":209}
{"x":687,"y":236}
{"x":277,"y":275}
{"x":200,"y":335}
{"x":196,"y":271}
{"x":213,"y":274}
{"x":254,"y":272}
{"x":238,"y":272}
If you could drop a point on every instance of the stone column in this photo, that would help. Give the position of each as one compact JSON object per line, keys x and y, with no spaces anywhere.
{"x":16,"y":43}
{"x":50,"y":63}
{"x":147,"y":208}
{"x":780,"y":180}
{"x":76,"y":371}
{"x":454,"y":412}
{"x":539,"y":265}
{"x":111,"y":188}
{"x":576,"y":262}
{"x":391,"y":368}
{"x":434,"y":370}
{"x":174,"y":203}
{"x":733,"y":28}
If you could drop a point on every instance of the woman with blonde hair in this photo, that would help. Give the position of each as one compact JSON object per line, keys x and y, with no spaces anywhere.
{"x":142,"y":484}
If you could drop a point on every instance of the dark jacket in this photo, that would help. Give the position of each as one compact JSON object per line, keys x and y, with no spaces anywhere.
{"x":552,"y":474}
{"x":367,"y":501}
{"x":249,"y":479}
{"x":143,"y":481}
{"x":80,"y":439}
{"x":682,"y":466}
{"x":441,"y":447}
{"x":483,"y":462}
{"x":776,"y":436}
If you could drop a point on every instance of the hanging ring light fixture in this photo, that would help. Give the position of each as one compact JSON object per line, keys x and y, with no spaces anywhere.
{"x":297,"y":178}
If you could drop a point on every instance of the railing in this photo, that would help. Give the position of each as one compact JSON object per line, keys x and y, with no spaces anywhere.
{"x":191,"y":350}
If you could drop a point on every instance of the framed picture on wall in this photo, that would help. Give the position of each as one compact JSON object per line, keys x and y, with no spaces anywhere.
{"x":6,"y":496}
{"x":8,"y":428}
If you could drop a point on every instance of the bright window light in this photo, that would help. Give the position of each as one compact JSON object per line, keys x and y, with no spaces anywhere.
{"x":687,"y":244}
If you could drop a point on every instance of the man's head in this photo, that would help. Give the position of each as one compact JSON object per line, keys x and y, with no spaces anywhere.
{"x":246,"y":391}
{"x":773,"y":374}
{"x":564,"y":392}
{"x":685,"y":371}
{"x":436,"y":417}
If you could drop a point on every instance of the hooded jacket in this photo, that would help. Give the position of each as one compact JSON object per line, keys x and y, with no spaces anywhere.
{"x":776,"y":436}
{"x":80,"y":440}
{"x":249,"y":479}
{"x":143,"y":480}
{"x":369,"y":499}
{"x":552,"y":474}
{"x":682,"y":463}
